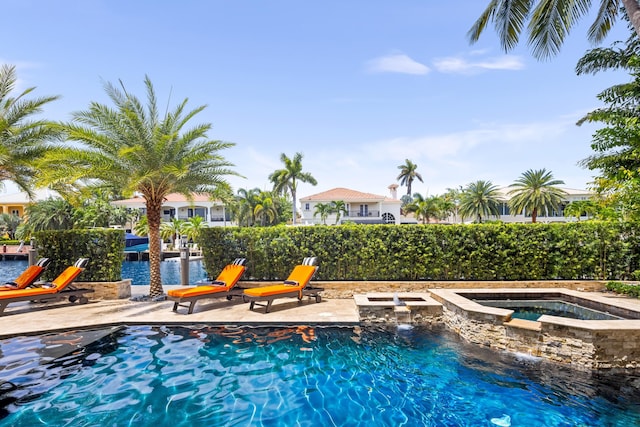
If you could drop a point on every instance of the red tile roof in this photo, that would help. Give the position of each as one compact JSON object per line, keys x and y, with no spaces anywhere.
{"x":345,"y":194}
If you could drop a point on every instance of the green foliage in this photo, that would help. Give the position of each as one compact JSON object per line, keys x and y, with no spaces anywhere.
{"x":104,"y":248}
{"x":632,"y":290}
{"x":579,"y":250}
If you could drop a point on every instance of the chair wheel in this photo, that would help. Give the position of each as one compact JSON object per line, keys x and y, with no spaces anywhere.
{"x":318,"y":298}
{"x":84,"y":300}
{"x":229,"y":297}
{"x":73,"y":298}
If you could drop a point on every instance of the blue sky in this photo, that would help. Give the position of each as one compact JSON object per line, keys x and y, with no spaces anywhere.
{"x":357,"y":86}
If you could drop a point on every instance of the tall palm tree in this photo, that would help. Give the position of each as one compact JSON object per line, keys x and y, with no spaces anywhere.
{"x":535,"y":191}
{"x":408,"y":172}
{"x":339,"y":207}
{"x":22,"y":139}
{"x":550,"y":21}
{"x":324,"y":210}
{"x":132,"y":148}
{"x":480,"y":199}
{"x":288,"y":178}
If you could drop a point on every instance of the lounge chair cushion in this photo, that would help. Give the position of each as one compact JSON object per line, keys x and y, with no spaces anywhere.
{"x":300,"y":275}
{"x":27,"y":292}
{"x":196,"y":290}
{"x":66,"y":277}
{"x":225,"y":281}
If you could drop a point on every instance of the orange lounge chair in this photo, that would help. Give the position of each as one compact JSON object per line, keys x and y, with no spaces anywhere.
{"x":27,"y":277}
{"x":58,"y":289}
{"x":222,"y":286}
{"x":296,"y":286}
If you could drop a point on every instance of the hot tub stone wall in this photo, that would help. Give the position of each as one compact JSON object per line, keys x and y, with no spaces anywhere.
{"x":387,"y":315}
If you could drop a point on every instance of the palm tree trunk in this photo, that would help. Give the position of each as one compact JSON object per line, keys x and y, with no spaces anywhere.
{"x":293,"y":196}
{"x":534,"y":215}
{"x":153,"y":218}
{"x":633,"y":12}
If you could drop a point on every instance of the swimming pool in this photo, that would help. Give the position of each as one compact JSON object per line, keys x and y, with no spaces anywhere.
{"x":137,"y":271}
{"x":190,"y":376}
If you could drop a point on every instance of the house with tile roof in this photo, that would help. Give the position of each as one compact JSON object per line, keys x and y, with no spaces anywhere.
{"x":362,"y":208}
{"x":179,"y":206}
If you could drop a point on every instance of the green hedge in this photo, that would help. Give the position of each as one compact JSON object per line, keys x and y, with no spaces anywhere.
{"x":578,"y":250}
{"x":103,"y":247}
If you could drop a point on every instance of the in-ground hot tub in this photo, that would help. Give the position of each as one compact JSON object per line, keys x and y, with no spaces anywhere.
{"x":398,"y":308}
{"x":481,"y":316}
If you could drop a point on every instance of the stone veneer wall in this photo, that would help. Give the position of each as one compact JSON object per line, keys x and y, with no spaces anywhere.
{"x":107,"y":290}
{"x":386,"y":315}
{"x":597,"y":348}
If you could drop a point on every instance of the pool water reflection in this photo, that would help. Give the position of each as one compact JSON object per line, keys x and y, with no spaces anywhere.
{"x":301,"y":375}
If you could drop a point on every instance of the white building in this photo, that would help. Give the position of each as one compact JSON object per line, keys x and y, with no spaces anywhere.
{"x":571,"y":195}
{"x":179,"y":207}
{"x":363,"y":208}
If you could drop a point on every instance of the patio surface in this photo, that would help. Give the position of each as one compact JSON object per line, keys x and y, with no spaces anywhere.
{"x":30,"y":318}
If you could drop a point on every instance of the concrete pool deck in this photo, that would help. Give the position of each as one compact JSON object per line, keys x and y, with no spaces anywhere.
{"x":31,"y":318}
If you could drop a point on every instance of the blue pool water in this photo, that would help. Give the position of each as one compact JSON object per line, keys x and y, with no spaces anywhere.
{"x":231,"y":376}
{"x":138,"y":271}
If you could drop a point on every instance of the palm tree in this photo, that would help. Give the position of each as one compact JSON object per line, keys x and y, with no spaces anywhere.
{"x":324,"y":210}
{"x":224,"y":194}
{"x":49,"y":214}
{"x":339,"y":207}
{"x":141,"y":227}
{"x":22,"y":139}
{"x":408,"y":173}
{"x":535,"y":192}
{"x":193,"y":227}
{"x":132,"y":148}
{"x":265,"y":209}
{"x":580,"y":208}
{"x":427,"y":208}
{"x":172,"y":230}
{"x":287,"y":178}
{"x":480,"y":199}
{"x":246,"y":201}
{"x":9,"y":223}
{"x":550,"y":21}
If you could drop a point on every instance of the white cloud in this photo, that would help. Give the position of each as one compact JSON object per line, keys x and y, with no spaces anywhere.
{"x":460,"y":65}
{"x":397,"y":63}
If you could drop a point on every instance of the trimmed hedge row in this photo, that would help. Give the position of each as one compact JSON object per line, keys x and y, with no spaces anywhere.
{"x":103,"y":246}
{"x":578,"y":250}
